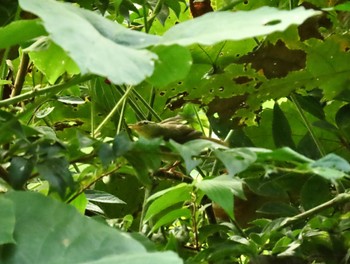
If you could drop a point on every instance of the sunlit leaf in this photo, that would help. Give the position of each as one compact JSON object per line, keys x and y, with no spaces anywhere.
{"x":183,"y":213}
{"x":96,"y":44}
{"x":166,"y":198}
{"x":21,"y":31}
{"x":173,"y":64}
{"x":53,"y":62}
{"x":218,"y":26}
{"x":102,"y":197}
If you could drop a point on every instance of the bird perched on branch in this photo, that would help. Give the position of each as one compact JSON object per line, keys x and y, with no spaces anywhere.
{"x":174,"y":128}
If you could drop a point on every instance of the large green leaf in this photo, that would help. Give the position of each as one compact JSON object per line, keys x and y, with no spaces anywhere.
{"x":328,"y":64}
{"x":166,"y":198}
{"x":218,"y":26}
{"x":174,"y":64}
{"x":281,"y":130}
{"x":59,"y":234}
{"x":222,"y":190}
{"x":145,"y":157}
{"x":19,"y":32}
{"x":7,"y":221}
{"x":236,"y":160}
{"x":96,"y":44}
{"x":53,"y":62}
{"x":315,"y":191}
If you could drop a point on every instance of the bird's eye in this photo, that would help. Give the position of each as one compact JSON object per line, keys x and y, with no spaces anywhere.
{"x":144,"y":122}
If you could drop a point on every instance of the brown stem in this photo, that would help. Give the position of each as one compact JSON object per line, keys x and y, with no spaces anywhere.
{"x":21,"y":74}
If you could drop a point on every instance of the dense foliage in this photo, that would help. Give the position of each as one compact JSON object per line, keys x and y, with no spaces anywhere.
{"x":269,"y":78}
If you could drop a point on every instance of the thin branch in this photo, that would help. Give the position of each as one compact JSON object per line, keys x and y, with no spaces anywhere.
{"x":48,"y":90}
{"x":115,"y":108}
{"x":308,"y":125}
{"x":21,"y":75}
{"x":93,"y":182}
{"x":338,"y":200}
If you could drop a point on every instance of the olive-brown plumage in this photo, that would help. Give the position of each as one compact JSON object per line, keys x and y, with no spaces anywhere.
{"x":172,"y":128}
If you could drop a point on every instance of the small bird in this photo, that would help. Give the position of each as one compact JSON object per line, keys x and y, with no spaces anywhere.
{"x":174,"y":128}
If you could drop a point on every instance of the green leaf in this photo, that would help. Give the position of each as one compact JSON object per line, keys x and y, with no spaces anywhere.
{"x":10,"y":126}
{"x":8,"y":12}
{"x":173,"y":64}
{"x":282,"y":244}
{"x":343,"y":7}
{"x":121,"y":144}
{"x":315,"y":191}
{"x":140,"y":258}
{"x":69,"y":237}
{"x":167,"y":198}
{"x":53,"y":167}
{"x":169,"y":217}
{"x":332,"y":161}
{"x":80,"y":203}
{"x":102,"y":197}
{"x":3,"y":82}
{"x":105,"y":153}
{"x":72,"y":100}
{"x":7,"y":221}
{"x":53,"y":62}
{"x":222,"y":190}
{"x":281,"y":131}
{"x":328,"y":173}
{"x":312,"y":105}
{"x":20,"y":171}
{"x":342,"y":120}
{"x":218,"y":26}
{"x":96,"y":44}
{"x":278,"y":209}
{"x":283,"y":154}
{"x":19,"y":32}
{"x":145,"y":158}
{"x":193,"y":148}
{"x":236,"y":160}
{"x":328,"y":64}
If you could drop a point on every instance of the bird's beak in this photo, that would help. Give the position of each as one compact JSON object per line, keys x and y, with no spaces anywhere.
{"x":133,"y":126}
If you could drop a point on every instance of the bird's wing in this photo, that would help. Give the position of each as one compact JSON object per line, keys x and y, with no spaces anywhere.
{"x":175,"y":120}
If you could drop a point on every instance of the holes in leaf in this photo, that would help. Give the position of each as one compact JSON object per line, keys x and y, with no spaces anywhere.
{"x":242,"y":79}
{"x":162,"y":93}
{"x":246,"y":2}
{"x":221,"y":89}
{"x":179,"y":83}
{"x":273,"y":22}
